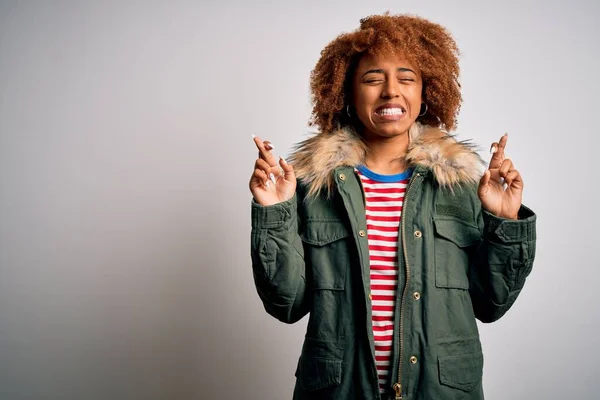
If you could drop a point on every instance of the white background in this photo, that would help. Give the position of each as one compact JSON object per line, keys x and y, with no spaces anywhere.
{"x":125,"y":154}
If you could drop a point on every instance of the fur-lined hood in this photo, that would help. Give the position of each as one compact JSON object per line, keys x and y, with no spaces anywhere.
{"x":452,"y":162}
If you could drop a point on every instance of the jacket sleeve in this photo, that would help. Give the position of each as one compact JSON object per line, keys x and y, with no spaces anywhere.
{"x":501,"y":262}
{"x":278,"y":260}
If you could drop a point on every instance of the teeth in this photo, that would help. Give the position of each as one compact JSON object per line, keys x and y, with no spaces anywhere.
{"x":391,"y":111}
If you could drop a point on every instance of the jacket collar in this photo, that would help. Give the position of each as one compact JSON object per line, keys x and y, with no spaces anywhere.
{"x":452,"y":163}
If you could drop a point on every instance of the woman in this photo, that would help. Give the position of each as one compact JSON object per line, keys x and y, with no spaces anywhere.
{"x":393,"y":241}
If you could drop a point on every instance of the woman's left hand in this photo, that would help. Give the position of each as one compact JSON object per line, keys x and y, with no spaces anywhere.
{"x":499,"y":200}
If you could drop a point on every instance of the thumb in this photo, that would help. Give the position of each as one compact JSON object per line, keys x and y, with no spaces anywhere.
{"x":483,"y":183}
{"x":288,"y":170}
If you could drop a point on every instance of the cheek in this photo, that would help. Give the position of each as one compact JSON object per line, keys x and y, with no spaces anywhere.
{"x":363,"y":113}
{"x":416,"y":94}
{"x":364,"y":103}
{"x":364,"y":98}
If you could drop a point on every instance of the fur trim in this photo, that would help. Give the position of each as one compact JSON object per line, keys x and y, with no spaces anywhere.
{"x":315,"y":158}
{"x":452,"y":162}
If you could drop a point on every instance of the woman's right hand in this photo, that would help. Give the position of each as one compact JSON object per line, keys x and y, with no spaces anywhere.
{"x":271,"y":182}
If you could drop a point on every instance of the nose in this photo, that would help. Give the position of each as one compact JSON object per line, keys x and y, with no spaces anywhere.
{"x":390,"y":89}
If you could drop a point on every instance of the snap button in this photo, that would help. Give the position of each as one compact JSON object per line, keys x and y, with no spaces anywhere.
{"x":418,"y":234}
{"x":413,"y":360}
{"x":370,"y":296}
{"x":342,"y":177}
{"x":416,"y":295}
{"x":362,"y":233}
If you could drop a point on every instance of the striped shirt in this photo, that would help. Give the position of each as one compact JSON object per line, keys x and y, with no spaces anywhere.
{"x":384,"y":196}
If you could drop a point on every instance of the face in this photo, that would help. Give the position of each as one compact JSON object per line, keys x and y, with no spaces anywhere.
{"x":387,"y":95}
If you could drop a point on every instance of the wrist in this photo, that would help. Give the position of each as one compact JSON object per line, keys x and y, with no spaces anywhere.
{"x":514,"y":216}
{"x":511,"y":217}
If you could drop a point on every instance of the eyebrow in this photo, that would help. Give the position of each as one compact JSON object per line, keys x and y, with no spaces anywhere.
{"x":380,"y":71}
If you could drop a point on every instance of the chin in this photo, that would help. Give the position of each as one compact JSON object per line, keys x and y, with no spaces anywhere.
{"x":392,"y":130}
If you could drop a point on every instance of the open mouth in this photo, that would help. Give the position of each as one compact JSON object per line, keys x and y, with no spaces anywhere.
{"x":390,"y":111}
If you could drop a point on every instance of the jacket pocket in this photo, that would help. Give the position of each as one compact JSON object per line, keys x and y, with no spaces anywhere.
{"x":326,"y":252}
{"x":462,"y":372}
{"x":319,"y":366}
{"x":452,"y":240}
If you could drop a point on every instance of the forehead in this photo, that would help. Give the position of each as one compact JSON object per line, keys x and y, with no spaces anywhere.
{"x":389,"y":60}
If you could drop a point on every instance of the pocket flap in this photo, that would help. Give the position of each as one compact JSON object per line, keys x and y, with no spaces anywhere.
{"x":321,"y":232}
{"x":457,"y":231}
{"x":316,"y":373}
{"x":462,"y":372}
{"x":320,"y":364}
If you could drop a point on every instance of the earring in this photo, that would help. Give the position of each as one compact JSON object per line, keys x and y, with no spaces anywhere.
{"x":424,"y":112}
{"x":348,"y":111}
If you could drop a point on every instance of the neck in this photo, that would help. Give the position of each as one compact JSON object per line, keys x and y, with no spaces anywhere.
{"x":386,"y":156}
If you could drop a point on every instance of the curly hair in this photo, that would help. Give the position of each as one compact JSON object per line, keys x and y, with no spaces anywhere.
{"x":426,"y":44}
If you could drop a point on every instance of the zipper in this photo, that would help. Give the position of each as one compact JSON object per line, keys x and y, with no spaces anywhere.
{"x":398,"y":389}
{"x":398,"y":385}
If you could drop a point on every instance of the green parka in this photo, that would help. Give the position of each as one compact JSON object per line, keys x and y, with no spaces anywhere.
{"x":457,"y":263}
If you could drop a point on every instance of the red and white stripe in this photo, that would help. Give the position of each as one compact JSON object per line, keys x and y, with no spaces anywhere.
{"x":383,"y":210}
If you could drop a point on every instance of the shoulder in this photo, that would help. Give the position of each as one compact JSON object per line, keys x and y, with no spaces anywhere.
{"x":323,"y":205}
{"x":460,"y":202}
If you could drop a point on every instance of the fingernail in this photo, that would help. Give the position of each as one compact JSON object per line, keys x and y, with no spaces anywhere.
{"x":272,"y":177}
{"x":493,"y":149}
{"x":253,"y":136}
{"x":271,"y":146}
{"x":267,"y":183}
{"x":283,"y":159}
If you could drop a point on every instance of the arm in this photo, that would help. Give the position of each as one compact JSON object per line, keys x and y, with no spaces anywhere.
{"x":501,"y":262}
{"x":505,"y":256}
{"x":278,"y":260}
{"x":276,"y":249}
